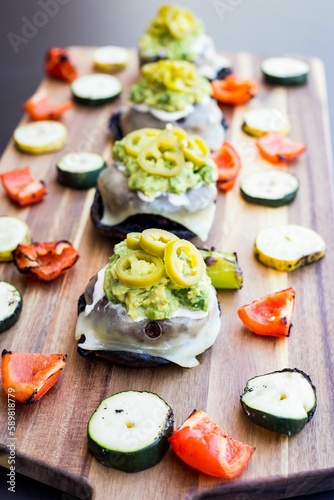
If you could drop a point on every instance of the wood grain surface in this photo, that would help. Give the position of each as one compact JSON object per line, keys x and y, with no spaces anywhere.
{"x":51,"y":442}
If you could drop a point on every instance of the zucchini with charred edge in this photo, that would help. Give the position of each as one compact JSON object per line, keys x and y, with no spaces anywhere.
{"x":223,"y":269}
{"x":10,"y":305}
{"x":129,"y":430}
{"x":286,"y":247}
{"x":282,"y":401}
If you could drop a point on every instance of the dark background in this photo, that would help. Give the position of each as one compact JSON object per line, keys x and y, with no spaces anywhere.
{"x":266,"y":27}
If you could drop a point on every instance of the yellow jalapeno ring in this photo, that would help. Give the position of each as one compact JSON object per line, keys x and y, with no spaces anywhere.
{"x":195,"y":150}
{"x":184,"y":264}
{"x":180,"y":76}
{"x":132,"y":241}
{"x":139,"y":269}
{"x":154,"y":241}
{"x":137,"y":139}
{"x":180,"y":22}
{"x":162,"y":156}
{"x":179,"y":132}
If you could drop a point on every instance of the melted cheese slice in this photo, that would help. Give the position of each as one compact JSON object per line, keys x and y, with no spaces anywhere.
{"x":106,"y":326}
{"x":199,"y":222}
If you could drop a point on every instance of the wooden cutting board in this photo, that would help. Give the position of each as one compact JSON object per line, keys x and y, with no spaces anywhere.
{"x":51,"y":442}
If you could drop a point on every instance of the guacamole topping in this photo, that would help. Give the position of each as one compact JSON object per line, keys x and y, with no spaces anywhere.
{"x":172,"y":34}
{"x":170,"y":86}
{"x":167,"y":161}
{"x":162,"y":299}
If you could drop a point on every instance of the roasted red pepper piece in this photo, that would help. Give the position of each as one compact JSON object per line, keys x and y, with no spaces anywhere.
{"x":26,"y":377}
{"x":270,"y":315}
{"x":203,"y":445}
{"x":234,"y":89}
{"x":228,"y":163}
{"x":278,"y":149}
{"x":59,"y":65}
{"x":45,"y":261}
{"x":39,"y":107}
{"x":21,"y":187}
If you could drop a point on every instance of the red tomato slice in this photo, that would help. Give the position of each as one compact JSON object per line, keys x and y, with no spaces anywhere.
{"x":234,"y":89}
{"x":278,"y":149}
{"x":28,"y":376}
{"x":228,"y":164}
{"x":203,"y":445}
{"x":21,"y":187}
{"x":45,"y":261}
{"x":39,"y":107}
{"x":270,"y":315}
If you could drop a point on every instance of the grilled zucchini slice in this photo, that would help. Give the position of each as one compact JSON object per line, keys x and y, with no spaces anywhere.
{"x":285,"y":71}
{"x":13,"y":231}
{"x":129,"y":430}
{"x":269,"y":187}
{"x":258,"y":122}
{"x":282,"y":401}
{"x":286,"y":247}
{"x":96,"y":89}
{"x":80,"y":170}
{"x":40,"y":137}
{"x":10,"y":305}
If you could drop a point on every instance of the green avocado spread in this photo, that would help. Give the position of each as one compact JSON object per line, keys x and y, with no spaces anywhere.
{"x":172,"y":33}
{"x":157,"y":302}
{"x":138,"y":180}
{"x":170,"y":86}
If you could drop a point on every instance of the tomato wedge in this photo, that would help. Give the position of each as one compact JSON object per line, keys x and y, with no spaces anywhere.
{"x":45,"y":261}
{"x":234,"y":89}
{"x":26,"y":377}
{"x":21,"y":187}
{"x":59,"y":65}
{"x":203,"y":445}
{"x":39,"y":107}
{"x":228,"y":164}
{"x":278,"y":149}
{"x":270,"y":315}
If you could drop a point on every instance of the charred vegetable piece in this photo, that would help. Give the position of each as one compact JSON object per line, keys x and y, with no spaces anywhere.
{"x":286,"y":247}
{"x":279,"y":149}
{"x":234,"y":89}
{"x":203,"y":445}
{"x":28,"y":376}
{"x":228,"y":163}
{"x":59,"y":65}
{"x":10,"y":305}
{"x":223,"y":269}
{"x":270,"y":315}
{"x":45,"y":261}
{"x":129,"y":430}
{"x":21,"y":187}
{"x":39,"y":107}
{"x":282,"y":401}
